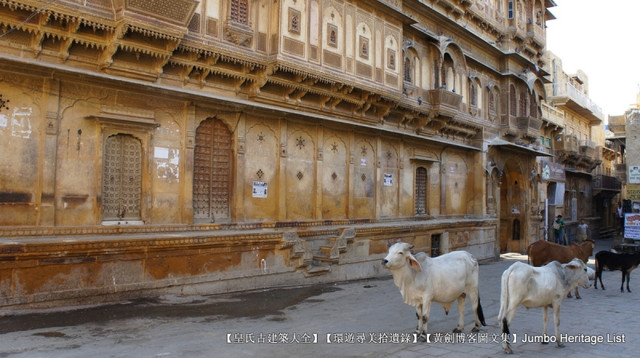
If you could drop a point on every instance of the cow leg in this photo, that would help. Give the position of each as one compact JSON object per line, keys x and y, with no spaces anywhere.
{"x":420,"y":327}
{"x":506,"y":321}
{"x":426,"y":308}
{"x":577,"y":294}
{"x":474,"y":300}
{"x":598,"y":276}
{"x":556,"y":322}
{"x":461,"y":301}
{"x":622,"y":284}
{"x":545,"y":322}
{"x":628,"y":280}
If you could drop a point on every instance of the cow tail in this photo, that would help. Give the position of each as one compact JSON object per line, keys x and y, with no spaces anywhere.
{"x":479,"y":311}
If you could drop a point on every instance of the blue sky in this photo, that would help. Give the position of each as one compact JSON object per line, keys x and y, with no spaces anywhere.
{"x":601,"y":39}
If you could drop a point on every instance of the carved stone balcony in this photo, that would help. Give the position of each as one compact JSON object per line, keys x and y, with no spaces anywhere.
{"x":588,"y":149}
{"x":445,"y":103}
{"x":527,"y":127}
{"x":605,"y":185}
{"x":588,"y":156}
{"x":566,"y":149}
{"x":177,"y":12}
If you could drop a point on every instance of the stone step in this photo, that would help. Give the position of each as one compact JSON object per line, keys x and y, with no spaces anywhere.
{"x":317,"y":270}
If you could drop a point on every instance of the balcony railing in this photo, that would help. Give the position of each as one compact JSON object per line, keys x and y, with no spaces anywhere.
{"x":578,"y":97}
{"x":605,"y":182}
{"x":588,"y":148}
{"x":552,"y":115}
{"x":566,"y":144}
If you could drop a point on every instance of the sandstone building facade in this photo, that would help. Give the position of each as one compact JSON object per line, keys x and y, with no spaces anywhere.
{"x":202,"y":147}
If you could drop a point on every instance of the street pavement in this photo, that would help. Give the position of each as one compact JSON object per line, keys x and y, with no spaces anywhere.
{"x":355,"y":319}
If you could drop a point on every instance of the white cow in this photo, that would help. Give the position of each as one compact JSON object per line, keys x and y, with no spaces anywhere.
{"x":533,"y":287}
{"x":443,"y":279}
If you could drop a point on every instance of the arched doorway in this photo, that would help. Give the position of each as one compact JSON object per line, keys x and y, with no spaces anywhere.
{"x":513,"y":199}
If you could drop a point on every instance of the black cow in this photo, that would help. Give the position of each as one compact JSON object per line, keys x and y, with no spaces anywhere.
{"x":613,"y":261}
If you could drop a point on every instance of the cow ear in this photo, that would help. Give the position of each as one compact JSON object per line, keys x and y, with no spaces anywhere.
{"x":573,"y":264}
{"x":413,"y":263}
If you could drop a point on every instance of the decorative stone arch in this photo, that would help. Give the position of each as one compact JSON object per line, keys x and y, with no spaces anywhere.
{"x":124,"y":161}
{"x":448,"y":72}
{"x":364,"y":43}
{"x":454,"y":76}
{"x":391,"y":50}
{"x":411,"y":68}
{"x":335,"y":175}
{"x":475,"y":95}
{"x":332,"y":30}
{"x":538,"y":93}
{"x":299,"y":173}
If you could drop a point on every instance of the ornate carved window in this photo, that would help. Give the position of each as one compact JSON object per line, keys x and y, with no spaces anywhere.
{"x":364,"y":47}
{"x":523,"y":104}
{"x":239,"y":11}
{"x":391,"y":59}
{"x":212,"y":171}
{"x":122,"y":178}
{"x":332,"y":40}
{"x":294,"y":21}
{"x":533,"y":106}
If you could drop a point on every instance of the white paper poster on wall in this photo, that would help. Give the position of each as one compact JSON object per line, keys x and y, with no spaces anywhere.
{"x":634,"y":174}
{"x":388,"y":179}
{"x":260,"y":189}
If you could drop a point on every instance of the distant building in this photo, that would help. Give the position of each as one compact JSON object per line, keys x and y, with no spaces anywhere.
{"x":575,"y":132}
{"x":627,"y":165}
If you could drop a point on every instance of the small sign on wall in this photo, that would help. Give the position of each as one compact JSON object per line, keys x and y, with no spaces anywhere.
{"x":634,"y":174}
{"x":632,"y":226}
{"x":388,"y":179}
{"x":260,"y":189}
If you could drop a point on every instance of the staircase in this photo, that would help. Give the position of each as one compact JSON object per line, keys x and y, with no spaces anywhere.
{"x":319,"y":253}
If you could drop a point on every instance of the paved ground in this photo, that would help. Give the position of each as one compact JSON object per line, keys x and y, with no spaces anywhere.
{"x":356,"y":319}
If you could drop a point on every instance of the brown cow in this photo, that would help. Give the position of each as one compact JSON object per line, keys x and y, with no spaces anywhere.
{"x":542,"y":252}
